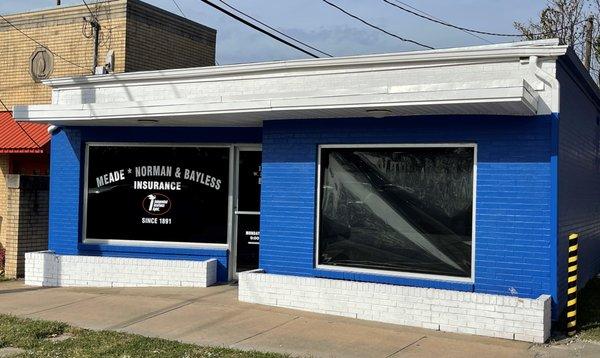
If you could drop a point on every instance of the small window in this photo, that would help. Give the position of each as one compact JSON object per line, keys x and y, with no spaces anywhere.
{"x":405,"y":209}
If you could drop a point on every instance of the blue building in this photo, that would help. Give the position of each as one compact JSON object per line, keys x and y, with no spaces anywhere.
{"x":434,"y":188}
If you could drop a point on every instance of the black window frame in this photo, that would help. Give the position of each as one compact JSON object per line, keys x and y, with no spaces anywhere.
{"x":392,"y":273}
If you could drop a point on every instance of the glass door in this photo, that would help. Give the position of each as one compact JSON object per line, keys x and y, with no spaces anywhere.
{"x":247,"y":208}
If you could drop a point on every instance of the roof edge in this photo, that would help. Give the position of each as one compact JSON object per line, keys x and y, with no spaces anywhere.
{"x":541,"y":48}
{"x":572,"y":62}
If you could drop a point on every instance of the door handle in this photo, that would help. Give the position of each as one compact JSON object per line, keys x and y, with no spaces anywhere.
{"x":241,"y":212}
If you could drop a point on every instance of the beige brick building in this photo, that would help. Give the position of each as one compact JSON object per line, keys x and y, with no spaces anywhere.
{"x":3,"y":197}
{"x":142,"y":36}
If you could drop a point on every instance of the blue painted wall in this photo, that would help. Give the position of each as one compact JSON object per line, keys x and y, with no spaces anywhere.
{"x":538,"y":179}
{"x":514,"y":217}
{"x":514,"y":223}
{"x":66,"y":186}
{"x":578,"y":176}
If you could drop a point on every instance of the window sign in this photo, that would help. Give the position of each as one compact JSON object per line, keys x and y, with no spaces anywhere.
{"x":403,"y":209}
{"x":157,"y":193}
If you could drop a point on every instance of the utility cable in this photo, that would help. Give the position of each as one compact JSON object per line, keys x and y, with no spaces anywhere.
{"x":248,"y":23}
{"x":179,"y":8}
{"x":430,"y":18}
{"x":3,"y":105}
{"x":41,"y":44}
{"x":90,"y":10}
{"x":437,"y":18}
{"x":274,"y":29}
{"x":377,"y":27}
{"x":19,"y":124}
{"x":183,"y":14}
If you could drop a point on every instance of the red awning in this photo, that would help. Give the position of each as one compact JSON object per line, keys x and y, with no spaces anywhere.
{"x":22,"y":137}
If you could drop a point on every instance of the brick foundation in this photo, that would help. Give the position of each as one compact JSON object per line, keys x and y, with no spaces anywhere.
{"x":444,"y":310}
{"x":45,"y":268}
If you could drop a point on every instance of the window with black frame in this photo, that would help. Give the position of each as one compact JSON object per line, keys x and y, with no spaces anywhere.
{"x":157,"y":193}
{"x":401,"y":209}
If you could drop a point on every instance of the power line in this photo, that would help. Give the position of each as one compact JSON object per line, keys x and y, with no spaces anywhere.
{"x":106,"y":42}
{"x":90,"y":10}
{"x":41,"y":44}
{"x":183,"y":14}
{"x":274,"y":29}
{"x":19,"y":124}
{"x":377,"y":27}
{"x":432,"y":19}
{"x":246,"y":22}
{"x":179,"y":8}
{"x":3,"y":105}
{"x":27,"y":134}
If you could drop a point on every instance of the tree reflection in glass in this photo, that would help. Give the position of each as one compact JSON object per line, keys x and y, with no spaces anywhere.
{"x":403,"y":209}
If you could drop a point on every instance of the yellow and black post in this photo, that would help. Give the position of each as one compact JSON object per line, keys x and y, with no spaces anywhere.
{"x":572,"y":286}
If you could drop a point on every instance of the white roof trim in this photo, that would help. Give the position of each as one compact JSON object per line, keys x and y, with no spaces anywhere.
{"x":501,"y":97}
{"x":540,"y":48}
{"x":494,"y":80}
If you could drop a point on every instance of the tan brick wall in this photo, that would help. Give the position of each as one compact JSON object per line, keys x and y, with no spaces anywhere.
{"x":27,"y":222}
{"x":10,"y":226}
{"x":3,"y":197}
{"x":142,"y":36}
{"x":157,"y":40}
{"x":61,"y":29}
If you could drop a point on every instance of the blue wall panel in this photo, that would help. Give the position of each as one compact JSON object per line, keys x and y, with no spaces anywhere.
{"x":513,"y":222}
{"x":578,"y":178}
{"x":66,"y":186}
{"x":513,"y":205}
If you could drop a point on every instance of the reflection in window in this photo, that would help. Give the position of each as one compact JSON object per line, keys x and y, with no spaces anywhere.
{"x":403,"y":209}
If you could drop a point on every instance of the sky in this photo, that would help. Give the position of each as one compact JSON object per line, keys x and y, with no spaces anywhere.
{"x":322,"y":26}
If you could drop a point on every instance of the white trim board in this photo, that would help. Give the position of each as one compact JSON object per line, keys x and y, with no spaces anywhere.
{"x":512,"y":99}
{"x":492,"y":53}
{"x":493,"y":80}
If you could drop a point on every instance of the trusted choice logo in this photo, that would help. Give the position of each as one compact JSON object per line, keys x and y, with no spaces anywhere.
{"x":156,"y":204}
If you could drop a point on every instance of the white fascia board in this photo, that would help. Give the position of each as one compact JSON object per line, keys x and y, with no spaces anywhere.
{"x":546,"y":48}
{"x":404,"y":83}
{"x":413,"y":100}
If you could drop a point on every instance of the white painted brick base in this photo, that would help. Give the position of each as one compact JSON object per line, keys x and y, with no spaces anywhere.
{"x":45,"y":268}
{"x":451,"y":311}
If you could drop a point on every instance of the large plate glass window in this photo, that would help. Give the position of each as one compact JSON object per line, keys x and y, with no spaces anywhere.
{"x":397,"y":208}
{"x":157,"y":193}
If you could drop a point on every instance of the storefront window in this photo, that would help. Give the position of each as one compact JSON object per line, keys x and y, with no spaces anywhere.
{"x":157,"y":193}
{"x":403,"y":209}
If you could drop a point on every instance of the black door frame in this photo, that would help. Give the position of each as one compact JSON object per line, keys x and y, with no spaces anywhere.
{"x":236,"y":212}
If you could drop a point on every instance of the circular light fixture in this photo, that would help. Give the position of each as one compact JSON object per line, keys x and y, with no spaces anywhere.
{"x":379,"y":112}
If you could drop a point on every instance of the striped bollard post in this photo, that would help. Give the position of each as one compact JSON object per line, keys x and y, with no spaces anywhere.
{"x":572,"y":286}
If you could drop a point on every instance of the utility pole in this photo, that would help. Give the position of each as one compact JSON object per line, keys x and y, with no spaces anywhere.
{"x":587,"y":55}
{"x":95,"y":24}
{"x":93,"y":21}
{"x":96,"y":27}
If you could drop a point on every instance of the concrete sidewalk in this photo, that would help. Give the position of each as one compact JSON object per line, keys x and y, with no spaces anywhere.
{"x":213,"y":316}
